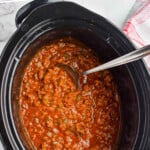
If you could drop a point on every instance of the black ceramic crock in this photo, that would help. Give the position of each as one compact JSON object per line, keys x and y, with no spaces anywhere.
{"x":41,"y":21}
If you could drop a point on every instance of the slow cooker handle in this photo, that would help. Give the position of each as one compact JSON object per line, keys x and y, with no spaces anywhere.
{"x":28,"y":8}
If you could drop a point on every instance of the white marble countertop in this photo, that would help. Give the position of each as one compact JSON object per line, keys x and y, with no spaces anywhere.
{"x":114,"y":10}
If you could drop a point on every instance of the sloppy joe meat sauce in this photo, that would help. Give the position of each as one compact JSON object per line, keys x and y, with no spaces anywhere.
{"x":55,"y":114}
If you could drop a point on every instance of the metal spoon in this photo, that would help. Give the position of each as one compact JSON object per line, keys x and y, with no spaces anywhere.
{"x":127,"y":58}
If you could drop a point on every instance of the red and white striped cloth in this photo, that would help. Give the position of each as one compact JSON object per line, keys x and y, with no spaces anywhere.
{"x":137,"y":27}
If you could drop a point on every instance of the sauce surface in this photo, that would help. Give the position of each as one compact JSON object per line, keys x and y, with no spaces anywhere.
{"x":58,"y":117}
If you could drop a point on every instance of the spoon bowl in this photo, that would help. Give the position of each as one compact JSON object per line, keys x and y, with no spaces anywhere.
{"x":74,"y":75}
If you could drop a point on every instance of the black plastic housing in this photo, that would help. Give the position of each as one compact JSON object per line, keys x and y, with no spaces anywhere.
{"x":48,"y":21}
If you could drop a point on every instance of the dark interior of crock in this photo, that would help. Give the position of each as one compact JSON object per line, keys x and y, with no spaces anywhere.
{"x":129,"y":104}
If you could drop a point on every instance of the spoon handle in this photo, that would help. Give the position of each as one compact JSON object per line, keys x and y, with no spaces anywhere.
{"x":127,"y":58}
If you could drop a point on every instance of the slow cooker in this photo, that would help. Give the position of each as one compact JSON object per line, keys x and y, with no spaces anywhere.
{"x":41,"y":21}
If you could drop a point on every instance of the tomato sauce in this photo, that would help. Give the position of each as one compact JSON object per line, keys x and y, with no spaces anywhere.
{"x":59,"y":117}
